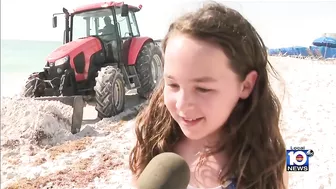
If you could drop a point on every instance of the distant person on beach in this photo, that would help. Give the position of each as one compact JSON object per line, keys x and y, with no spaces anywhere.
{"x":215,"y":107}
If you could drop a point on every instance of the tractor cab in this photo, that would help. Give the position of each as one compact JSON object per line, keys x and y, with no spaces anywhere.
{"x":114,"y":26}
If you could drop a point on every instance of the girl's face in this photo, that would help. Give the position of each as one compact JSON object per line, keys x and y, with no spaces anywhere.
{"x":200,"y":89}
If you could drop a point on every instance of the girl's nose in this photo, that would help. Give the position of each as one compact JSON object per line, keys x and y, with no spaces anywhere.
{"x":184,"y":102}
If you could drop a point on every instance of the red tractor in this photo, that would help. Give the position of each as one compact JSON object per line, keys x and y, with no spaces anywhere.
{"x":102,"y":54}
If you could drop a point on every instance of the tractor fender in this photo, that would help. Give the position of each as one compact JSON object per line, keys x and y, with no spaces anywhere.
{"x":135,"y":48}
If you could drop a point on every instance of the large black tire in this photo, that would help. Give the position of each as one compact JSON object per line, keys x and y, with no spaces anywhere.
{"x":149,"y":68}
{"x":109,"y":92}
{"x":30,"y":85}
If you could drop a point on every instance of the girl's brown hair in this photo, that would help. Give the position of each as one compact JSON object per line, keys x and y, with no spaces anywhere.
{"x":251,"y":134}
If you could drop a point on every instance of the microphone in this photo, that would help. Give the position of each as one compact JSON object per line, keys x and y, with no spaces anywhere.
{"x":165,"y":171}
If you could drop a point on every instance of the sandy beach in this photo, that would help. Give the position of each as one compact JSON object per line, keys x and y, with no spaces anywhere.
{"x":38,"y":150}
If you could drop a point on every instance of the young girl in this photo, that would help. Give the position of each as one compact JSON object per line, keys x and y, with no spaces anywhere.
{"x":215,"y":106}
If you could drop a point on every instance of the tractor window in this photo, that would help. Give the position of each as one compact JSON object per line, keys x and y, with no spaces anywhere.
{"x":123,"y":26}
{"x":134,"y":24}
{"x":79,"y":27}
{"x":92,"y":23}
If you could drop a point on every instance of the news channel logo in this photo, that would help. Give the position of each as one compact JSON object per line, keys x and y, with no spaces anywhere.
{"x":298,"y":159}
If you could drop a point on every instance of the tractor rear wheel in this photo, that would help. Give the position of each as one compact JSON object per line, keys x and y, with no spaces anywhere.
{"x":109,"y":92}
{"x":149,"y":68}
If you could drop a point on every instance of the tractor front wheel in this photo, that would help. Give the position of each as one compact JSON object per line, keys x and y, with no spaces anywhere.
{"x":149,"y":68}
{"x":31,"y":86}
{"x":109,"y":92}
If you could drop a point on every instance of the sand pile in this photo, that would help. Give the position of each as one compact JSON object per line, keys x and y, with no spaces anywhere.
{"x":37,"y":122}
{"x":39,"y":151}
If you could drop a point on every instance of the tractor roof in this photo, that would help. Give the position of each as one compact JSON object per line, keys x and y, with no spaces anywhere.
{"x":93,"y":6}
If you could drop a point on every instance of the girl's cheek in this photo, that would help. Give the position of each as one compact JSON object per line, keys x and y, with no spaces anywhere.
{"x":169,"y":98}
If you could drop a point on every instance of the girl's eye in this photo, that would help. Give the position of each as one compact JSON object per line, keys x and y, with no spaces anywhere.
{"x":203,"y":90}
{"x":171,"y":85}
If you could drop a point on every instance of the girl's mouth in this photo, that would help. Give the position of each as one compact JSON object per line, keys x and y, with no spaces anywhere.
{"x":191,"y":121}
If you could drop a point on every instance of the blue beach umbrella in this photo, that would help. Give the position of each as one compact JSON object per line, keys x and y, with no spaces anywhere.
{"x":325,"y":41}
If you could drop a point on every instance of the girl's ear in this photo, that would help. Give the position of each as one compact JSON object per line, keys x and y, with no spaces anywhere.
{"x":248,"y":84}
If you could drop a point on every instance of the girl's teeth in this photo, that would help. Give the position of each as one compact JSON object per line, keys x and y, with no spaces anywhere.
{"x":190,"y":119}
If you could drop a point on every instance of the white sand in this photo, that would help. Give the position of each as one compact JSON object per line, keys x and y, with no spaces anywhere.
{"x":36,"y":143}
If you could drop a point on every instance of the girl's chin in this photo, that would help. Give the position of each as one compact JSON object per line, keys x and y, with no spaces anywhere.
{"x":193,"y":135}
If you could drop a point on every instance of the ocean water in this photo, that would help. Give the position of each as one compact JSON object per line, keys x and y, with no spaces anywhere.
{"x":20,"y":58}
{"x":25,"y":56}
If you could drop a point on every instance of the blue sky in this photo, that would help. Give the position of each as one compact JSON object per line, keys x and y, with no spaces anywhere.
{"x":280,"y":23}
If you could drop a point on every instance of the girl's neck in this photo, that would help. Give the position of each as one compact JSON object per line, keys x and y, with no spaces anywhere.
{"x":200,"y":146}
{"x":196,"y":154}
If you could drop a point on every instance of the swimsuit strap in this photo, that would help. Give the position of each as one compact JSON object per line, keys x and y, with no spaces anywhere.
{"x":230,"y":184}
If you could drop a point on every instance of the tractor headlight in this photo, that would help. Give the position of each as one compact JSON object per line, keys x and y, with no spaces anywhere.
{"x":61,"y":61}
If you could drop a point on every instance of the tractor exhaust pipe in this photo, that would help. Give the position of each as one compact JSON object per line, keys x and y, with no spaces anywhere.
{"x":77,"y":103}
